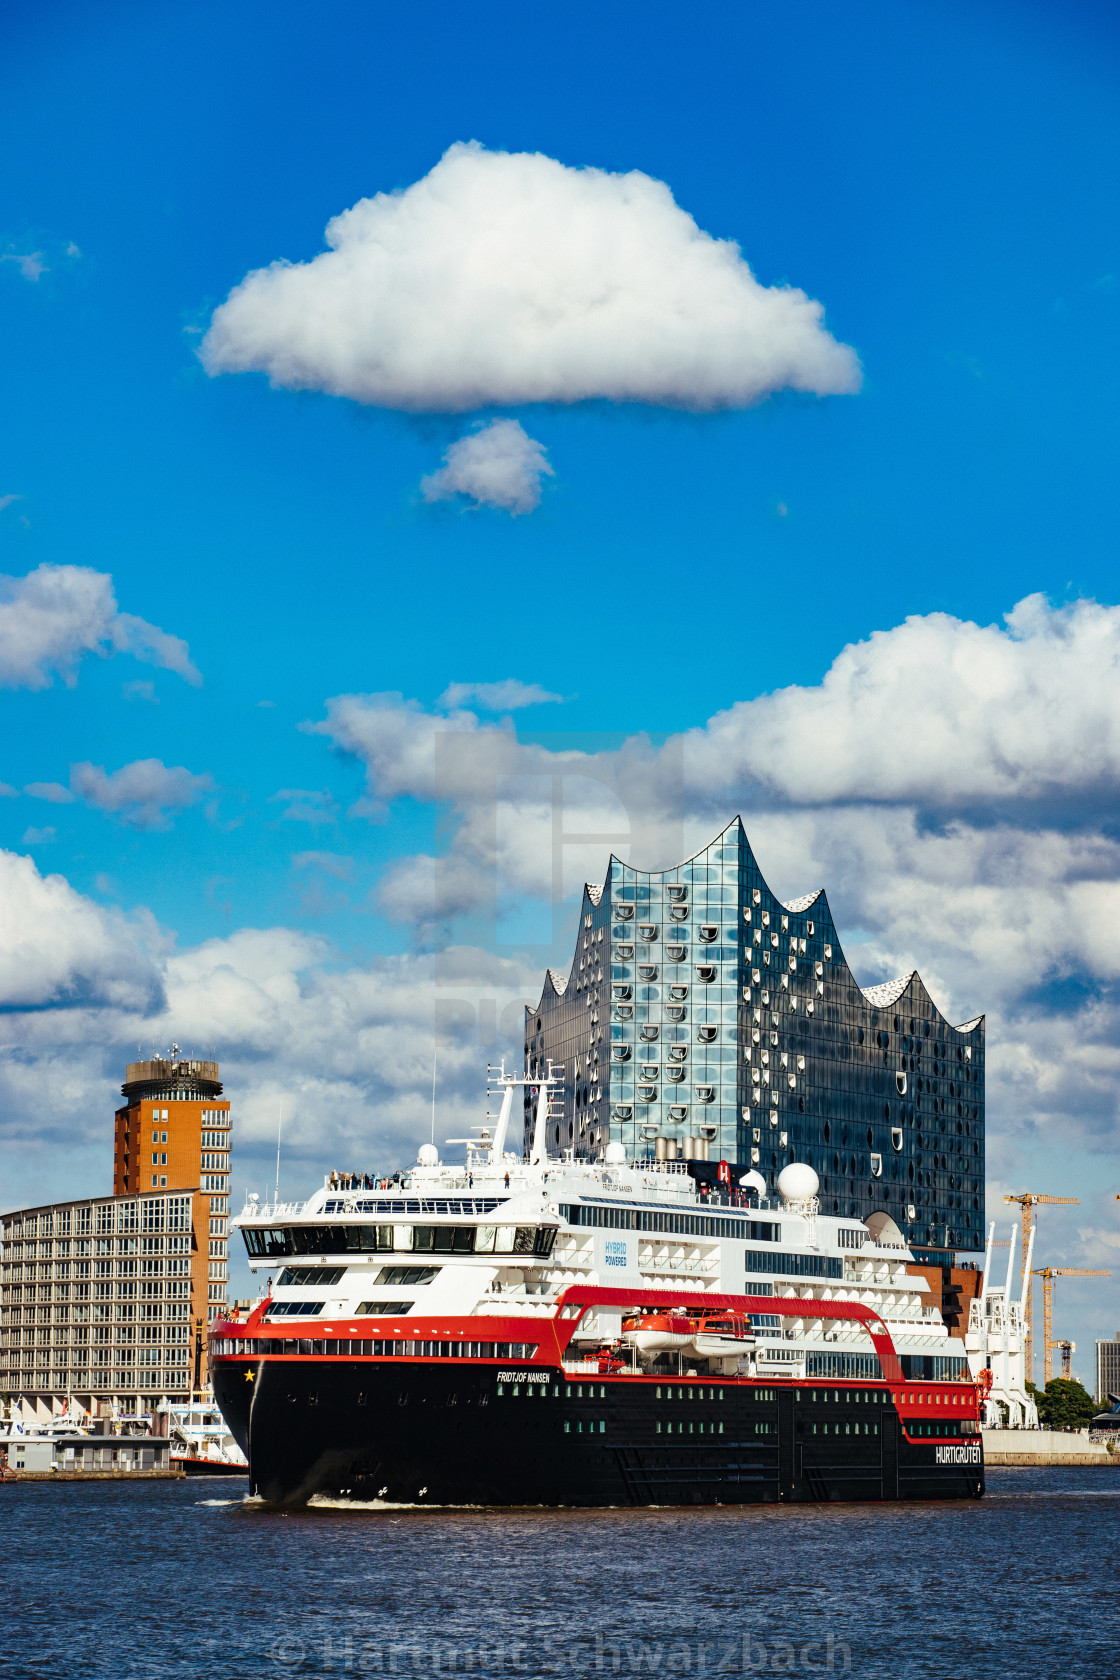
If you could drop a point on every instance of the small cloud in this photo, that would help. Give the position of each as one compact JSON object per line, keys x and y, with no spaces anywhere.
{"x":39,"y":836}
{"x":53,"y":792}
{"x":6,"y":501}
{"x":56,"y":614}
{"x":139,"y":794}
{"x":106,"y":884}
{"x":140,"y":690}
{"x":331,"y":863}
{"x":315,"y":806}
{"x":497,"y":465}
{"x":7,"y":792}
{"x":270,"y":704}
{"x":507,"y":696}
{"x":31,"y":264}
{"x":72,"y":250}
{"x":782,"y":510}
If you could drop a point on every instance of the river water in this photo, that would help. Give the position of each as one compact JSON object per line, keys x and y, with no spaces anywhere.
{"x":189,"y":1581}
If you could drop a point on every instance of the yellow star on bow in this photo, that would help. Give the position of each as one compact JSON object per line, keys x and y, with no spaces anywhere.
{"x":250,"y":1376}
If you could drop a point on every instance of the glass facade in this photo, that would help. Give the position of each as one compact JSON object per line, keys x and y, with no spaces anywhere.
{"x":703,"y":1017}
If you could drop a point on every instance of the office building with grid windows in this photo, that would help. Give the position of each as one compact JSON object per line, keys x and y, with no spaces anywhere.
{"x":1108,"y":1369}
{"x":102,"y":1302}
{"x":704,"y":1018}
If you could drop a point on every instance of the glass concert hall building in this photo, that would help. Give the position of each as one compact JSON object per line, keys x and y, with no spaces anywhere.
{"x":703,"y":1018}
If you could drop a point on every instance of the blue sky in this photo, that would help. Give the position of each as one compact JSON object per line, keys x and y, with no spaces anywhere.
{"x":943,"y":180}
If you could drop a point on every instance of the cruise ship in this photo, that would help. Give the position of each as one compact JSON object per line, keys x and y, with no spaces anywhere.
{"x":522,"y":1329}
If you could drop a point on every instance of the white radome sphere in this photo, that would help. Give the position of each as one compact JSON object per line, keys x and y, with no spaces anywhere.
{"x":753,"y":1180}
{"x":797,"y":1182}
{"x":429,"y":1155}
{"x":615,"y":1155}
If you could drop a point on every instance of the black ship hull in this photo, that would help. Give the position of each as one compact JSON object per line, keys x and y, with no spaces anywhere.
{"x":458,"y":1433}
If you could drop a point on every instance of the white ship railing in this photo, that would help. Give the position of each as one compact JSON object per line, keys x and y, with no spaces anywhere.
{"x":271,"y":1210}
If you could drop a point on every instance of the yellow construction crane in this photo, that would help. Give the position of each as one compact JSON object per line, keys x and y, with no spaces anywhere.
{"x":1028,"y":1200}
{"x":1048,"y":1274}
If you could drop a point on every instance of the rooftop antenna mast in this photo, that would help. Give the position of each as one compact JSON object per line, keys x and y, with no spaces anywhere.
{"x":279,"y":1124}
{"x":433,"y":1093}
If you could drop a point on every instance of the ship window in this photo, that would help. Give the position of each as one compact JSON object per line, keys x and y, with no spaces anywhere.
{"x":383,"y":1309}
{"x":410,"y":1276}
{"x":444,"y":1239}
{"x":295,"y":1276}
{"x":268,"y":1245}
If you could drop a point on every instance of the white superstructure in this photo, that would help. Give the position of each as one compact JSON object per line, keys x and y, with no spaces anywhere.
{"x":499,"y":1236}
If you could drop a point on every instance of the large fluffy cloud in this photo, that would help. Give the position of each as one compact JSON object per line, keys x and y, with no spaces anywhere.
{"x":508,"y":278}
{"x":57,"y":614}
{"x":939,"y":711}
{"x":60,"y":950}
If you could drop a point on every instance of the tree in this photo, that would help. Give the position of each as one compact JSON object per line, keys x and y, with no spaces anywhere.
{"x":1065,"y":1404}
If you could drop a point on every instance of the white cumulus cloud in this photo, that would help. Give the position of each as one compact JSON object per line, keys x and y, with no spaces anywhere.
{"x":56,"y":614}
{"x":61,"y":950}
{"x":141,"y":793}
{"x":507,"y":278}
{"x":498,"y":465}
{"x":937,"y":710}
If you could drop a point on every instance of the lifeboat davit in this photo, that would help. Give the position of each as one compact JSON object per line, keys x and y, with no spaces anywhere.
{"x":661,"y":1332}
